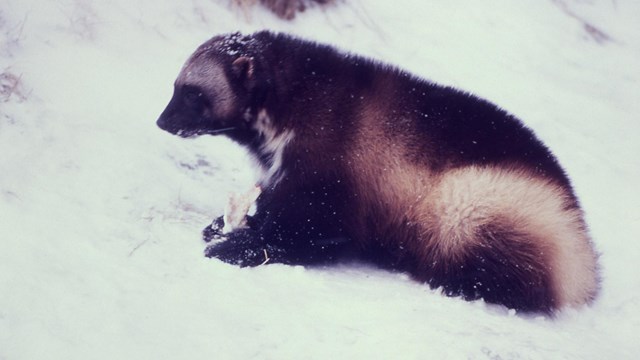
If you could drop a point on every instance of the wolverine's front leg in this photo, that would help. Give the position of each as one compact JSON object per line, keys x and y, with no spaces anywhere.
{"x":249,"y":247}
{"x":235,"y":239}
{"x":298,"y":228}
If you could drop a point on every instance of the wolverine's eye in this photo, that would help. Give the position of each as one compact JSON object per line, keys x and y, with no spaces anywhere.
{"x":193,"y":97}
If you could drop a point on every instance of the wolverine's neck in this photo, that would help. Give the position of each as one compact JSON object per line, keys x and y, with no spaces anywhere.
{"x":268,"y":148}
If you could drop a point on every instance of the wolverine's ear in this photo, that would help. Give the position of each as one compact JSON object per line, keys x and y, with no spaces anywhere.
{"x":243,"y":68}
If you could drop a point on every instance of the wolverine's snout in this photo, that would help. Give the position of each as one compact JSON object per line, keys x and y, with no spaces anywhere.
{"x":164,"y":124}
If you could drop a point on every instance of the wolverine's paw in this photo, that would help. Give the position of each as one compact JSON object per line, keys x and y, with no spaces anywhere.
{"x":243,"y":255}
{"x":237,"y":255}
{"x":213,"y":231}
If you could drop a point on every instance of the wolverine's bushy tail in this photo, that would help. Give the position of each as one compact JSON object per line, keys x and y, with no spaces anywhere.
{"x":508,"y":237}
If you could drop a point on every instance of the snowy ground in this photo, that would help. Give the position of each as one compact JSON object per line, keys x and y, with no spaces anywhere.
{"x":100,"y":211}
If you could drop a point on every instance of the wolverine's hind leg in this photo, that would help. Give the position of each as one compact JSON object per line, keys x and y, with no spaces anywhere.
{"x":508,"y":237}
{"x":502,"y":266}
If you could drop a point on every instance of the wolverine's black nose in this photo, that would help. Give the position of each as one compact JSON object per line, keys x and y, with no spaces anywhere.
{"x":162,"y":123}
{"x":165,"y":124}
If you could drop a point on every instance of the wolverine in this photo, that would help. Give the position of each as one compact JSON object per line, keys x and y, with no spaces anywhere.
{"x":360,"y":157}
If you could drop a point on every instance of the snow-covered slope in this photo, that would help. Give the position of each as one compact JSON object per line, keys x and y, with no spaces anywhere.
{"x":100,"y":211}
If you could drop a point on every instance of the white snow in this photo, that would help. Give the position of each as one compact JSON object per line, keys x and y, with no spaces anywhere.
{"x":101,"y":212}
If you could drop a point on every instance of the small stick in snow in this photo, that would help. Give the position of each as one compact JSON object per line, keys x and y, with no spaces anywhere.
{"x":266,"y":257}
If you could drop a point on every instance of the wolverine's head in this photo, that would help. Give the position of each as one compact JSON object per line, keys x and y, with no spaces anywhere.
{"x":216,"y":91}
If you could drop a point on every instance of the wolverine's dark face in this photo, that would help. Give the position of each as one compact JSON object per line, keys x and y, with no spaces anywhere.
{"x":208,"y":98}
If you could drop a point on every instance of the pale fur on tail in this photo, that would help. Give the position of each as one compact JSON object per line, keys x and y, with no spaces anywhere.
{"x":467,"y":200}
